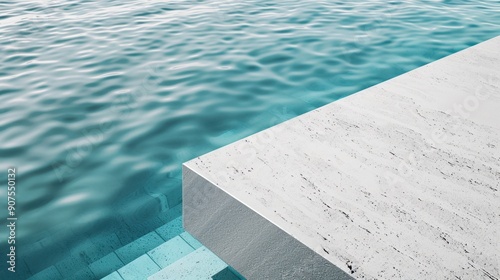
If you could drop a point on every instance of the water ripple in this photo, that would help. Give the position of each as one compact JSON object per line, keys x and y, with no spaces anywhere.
{"x":101,"y":101}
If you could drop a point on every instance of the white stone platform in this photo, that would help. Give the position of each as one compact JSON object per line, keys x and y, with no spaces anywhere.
{"x":398,"y":181}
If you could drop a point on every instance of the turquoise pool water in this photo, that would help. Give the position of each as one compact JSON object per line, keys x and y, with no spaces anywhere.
{"x":101,"y":101}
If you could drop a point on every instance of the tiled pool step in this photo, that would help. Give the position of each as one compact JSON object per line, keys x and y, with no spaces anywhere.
{"x":71,"y":258}
{"x":182,"y":257}
{"x":198,"y":265}
{"x":115,"y":259}
{"x":144,"y":257}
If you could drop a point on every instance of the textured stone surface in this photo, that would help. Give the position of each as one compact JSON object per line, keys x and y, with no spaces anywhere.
{"x":399,"y":181}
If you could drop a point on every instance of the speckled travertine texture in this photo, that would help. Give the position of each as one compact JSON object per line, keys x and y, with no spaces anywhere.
{"x":399,"y":181}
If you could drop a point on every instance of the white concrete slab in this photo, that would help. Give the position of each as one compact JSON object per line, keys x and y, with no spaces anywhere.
{"x":399,"y":181}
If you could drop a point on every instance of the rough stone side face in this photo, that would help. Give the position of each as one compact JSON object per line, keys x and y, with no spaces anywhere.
{"x":251,"y":244}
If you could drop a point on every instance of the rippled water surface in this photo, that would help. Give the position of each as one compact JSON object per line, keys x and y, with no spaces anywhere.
{"x":101,"y":101}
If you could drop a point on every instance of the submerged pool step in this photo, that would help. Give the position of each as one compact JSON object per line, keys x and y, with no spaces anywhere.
{"x":143,"y":256}
{"x":133,"y":253}
{"x":155,"y":259}
{"x":199,"y":265}
{"x":72,"y":259}
{"x":182,"y":257}
{"x":170,"y":251}
{"x":149,"y":255}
